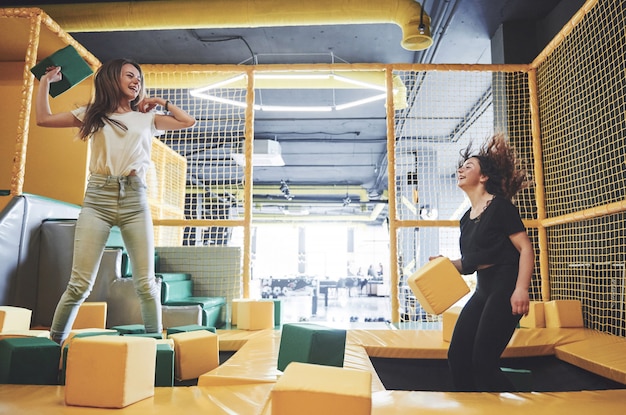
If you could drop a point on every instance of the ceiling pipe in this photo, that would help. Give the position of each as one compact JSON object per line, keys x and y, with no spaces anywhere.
{"x":205,"y":14}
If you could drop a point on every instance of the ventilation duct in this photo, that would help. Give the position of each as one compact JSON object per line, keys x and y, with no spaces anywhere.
{"x":266,"y":154}
{"x":206,"y":14}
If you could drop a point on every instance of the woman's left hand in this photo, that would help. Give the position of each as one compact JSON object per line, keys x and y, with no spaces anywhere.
{"x":520,"y":302}
{"x":148,"y":104}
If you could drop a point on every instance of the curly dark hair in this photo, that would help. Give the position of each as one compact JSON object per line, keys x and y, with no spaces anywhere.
{"x":107,"y":96}
{"x":500,"y":163}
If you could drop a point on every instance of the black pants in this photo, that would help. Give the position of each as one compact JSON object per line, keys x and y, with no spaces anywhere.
{"x":483,"y":331}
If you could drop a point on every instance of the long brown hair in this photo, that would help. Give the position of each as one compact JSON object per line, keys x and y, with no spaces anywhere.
{"x":500,"y":163}
{"x":107,"y":96}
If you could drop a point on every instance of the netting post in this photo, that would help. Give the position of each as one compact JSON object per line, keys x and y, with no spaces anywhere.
{"x":544,"y":268}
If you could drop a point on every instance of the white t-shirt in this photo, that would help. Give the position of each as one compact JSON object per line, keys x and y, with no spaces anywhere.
{"x":116,"y":152}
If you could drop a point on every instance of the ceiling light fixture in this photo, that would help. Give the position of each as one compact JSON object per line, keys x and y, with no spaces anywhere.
{"x":335,"y":79}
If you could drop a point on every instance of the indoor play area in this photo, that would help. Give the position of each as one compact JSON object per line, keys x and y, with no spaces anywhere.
{"x":227,"y":350}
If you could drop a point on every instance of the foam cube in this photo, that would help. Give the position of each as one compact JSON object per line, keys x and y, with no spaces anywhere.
{"x":130,"y":329}
{"x":563,"y":313}
{"x":278,"y":311}
{"x":255,"y":315}
{"x":450,"y":316}
{"x":88,"y":333}
{"x":235,"y":309}
{"x":189,"y":327}
{"x":29,"y":360}
{"x":76,"y":334}
{"x":181,"y":315}
{"x":536,"y":316}
{"x":307,"y":389}
{"x":311,"y":343}
{"x":24,"y":333}
{"x":437,"y":285}
{"x":195,"y":353}
{"x":91,"y":315}
{"x":522,"y":379}
{"x":110,"y":371}
{"x":14,"y":318}
{"x":164,"y":370}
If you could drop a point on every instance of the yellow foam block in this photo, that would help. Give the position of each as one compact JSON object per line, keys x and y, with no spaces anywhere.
{"x":536,"y":316}
{"x":195,"y":353}
{"x":437,"y":285}
{"x":24,"y":333}
{"x":450,"y":316}
{"x":563,"y":313}
{"x":91,"y":315}
{"x":110,"y":371}
{"x":235,"y":309}
{"x":14,"y":318}
{"x":255,"y":315}
{"x":308,"y":389}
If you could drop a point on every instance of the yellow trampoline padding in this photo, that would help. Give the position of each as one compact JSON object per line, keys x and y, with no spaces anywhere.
{"x":408,"y":344}
{"x":603,"y":354}
{"x":250,"y":400}
{"x":255,"y":362}
{"x":233,"y":340}
{"x":429,"y":344}
{"x":437,"y":285}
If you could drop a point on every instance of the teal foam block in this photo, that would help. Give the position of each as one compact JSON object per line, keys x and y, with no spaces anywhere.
{"x":29,"y":361}
{"x":521,"y":378}
{"x":189,"y":327}
{"x":311,"y":343}
{"x":164,"y":369}
{"x":130,"y":329}
{"x":73,"y":68}
{"x":278,"y":312}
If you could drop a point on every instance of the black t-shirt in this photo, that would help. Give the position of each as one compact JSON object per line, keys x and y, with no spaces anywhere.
{"x":485,"y":239}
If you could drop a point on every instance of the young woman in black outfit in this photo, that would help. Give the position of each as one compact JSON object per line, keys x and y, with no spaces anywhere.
{"x":493,"y":243}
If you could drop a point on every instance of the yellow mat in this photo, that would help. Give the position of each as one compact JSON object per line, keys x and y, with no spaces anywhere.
{"x":254,"y":400}
{"x":429,"y":344}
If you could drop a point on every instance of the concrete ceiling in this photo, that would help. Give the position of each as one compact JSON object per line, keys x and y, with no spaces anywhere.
{"x":337,"y":153}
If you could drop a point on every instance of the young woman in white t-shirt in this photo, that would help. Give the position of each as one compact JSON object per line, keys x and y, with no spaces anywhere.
{"x":119,"y":124}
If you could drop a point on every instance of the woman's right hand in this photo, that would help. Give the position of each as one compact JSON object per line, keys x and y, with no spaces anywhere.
{"x":430,"y":258}
{"x":53,"y":74}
